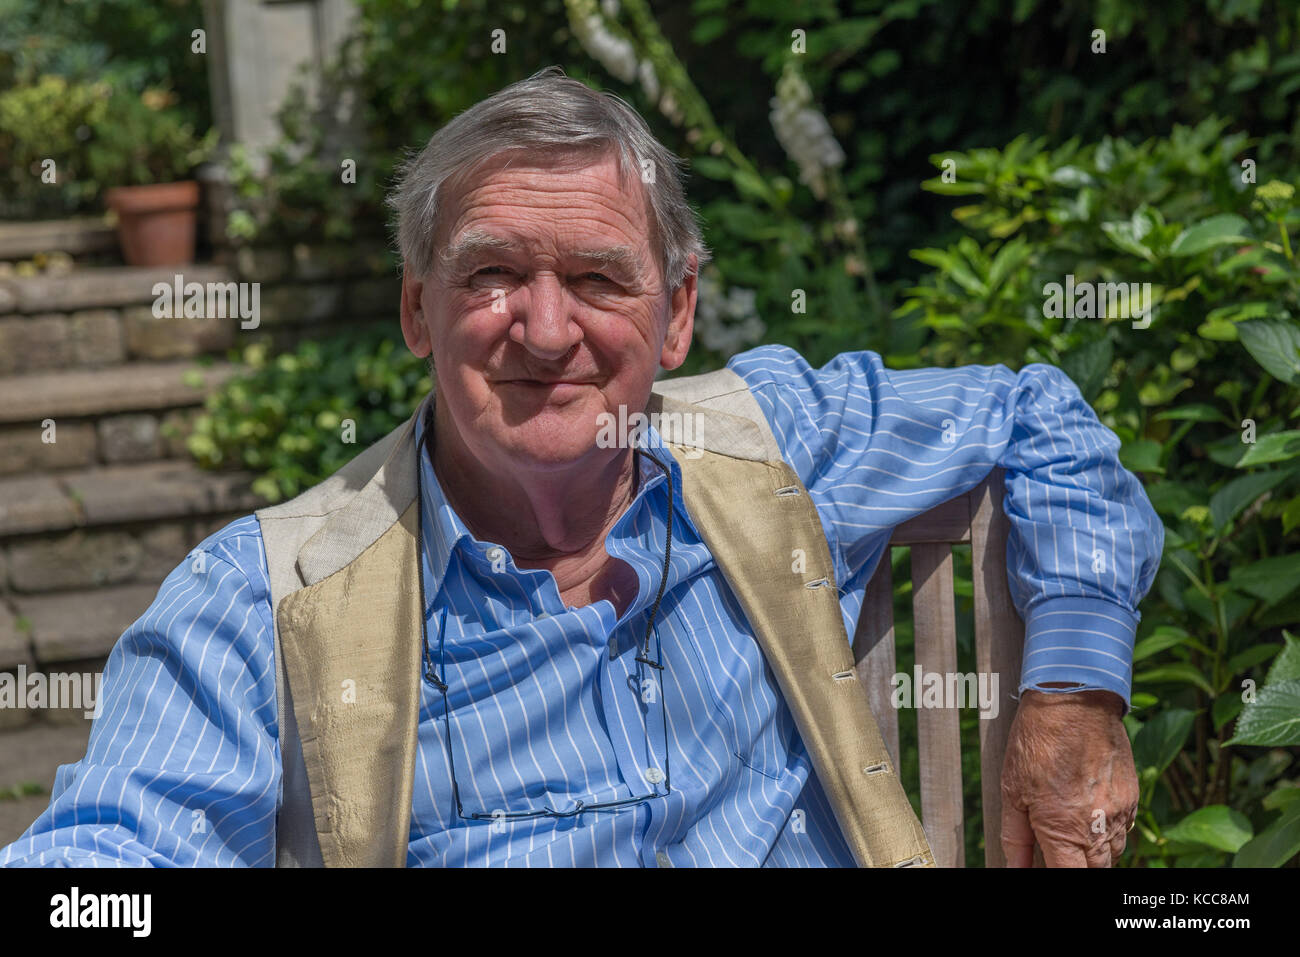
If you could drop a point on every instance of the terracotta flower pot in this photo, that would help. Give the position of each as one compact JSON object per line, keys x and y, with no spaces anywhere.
{"x":156,"y":223}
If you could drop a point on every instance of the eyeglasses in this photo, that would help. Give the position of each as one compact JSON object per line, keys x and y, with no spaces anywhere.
{"x":437,"y":678}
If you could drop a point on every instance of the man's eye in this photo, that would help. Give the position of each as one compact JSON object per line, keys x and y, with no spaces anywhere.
{"x":487,"y":270}
{"x":600,"y":276}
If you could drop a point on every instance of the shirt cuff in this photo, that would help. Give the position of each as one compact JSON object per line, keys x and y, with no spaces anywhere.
{"x":1088,"y":641}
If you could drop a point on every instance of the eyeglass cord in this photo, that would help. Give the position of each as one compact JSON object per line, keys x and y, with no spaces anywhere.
{"x":439,"y":681}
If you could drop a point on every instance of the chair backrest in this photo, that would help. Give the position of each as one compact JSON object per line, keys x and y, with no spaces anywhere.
{"x":974,"y":518}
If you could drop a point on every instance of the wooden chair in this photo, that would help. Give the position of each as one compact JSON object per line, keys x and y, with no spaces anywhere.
{"x":974,"y":518}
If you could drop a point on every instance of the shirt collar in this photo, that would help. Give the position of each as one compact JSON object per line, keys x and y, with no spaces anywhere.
{"x":444,"y":531}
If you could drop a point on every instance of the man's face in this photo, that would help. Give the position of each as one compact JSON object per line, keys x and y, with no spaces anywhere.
{"x":551,"y":311}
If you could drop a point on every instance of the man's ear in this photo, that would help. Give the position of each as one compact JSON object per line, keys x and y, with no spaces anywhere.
{"x":681,"y":320}
{"x":414,"y":331}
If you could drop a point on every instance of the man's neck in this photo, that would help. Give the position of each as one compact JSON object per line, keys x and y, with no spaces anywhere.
{"x":554,"y":519}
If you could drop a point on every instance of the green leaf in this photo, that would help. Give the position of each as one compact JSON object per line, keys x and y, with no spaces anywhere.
{"x":1088,"y":366}
{"x":1252,"y":656}
{"x":1193,"y":412}
{"x":1231,"y":500}
{"x":1270,"y":579}
{"x":1240,"y":311}
{"x":1127,"y":237}
{"x":1161,"y":738}
{"x":1272,"y":719}
{"x":1255,"y":256}
{"x":1071,"y":176}
{"x":952,"y":266}
{"x":711,"y":167}
{"x":750,"y":185}
{"x":1141,"y":456}
{"x":1218,"y":230}
{"x":1173,"y":498}
{"x":1287,"y":665}
{"x":1275,"y":344}
{"x":708,"y":29}
{"x":1226,"y":707}
{"x":1180,"y":672}
{"x":1220,"y":330}
{"x":1200,"y":859}
{"x":1281,"y":798}
{"x":1165,"y":636}
{"x":1217,"y":826}
{"x":1276,"y":447}
{"x":959,"y":188}
{"x":1291,"y":515}
{"x":1009,"y":258}
{"x":1275,"y":845}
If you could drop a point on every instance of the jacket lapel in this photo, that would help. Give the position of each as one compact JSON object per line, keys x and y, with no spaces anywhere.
{"x":351,"y":643}
{"x":753,"y":515}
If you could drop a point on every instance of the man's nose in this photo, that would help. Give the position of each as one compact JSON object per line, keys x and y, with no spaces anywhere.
{"x":543,"y":320}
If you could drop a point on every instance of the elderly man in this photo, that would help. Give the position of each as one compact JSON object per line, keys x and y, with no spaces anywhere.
{"x":527,"y":629}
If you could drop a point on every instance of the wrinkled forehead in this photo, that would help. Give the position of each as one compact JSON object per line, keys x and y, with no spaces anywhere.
{"x":452,"y":195}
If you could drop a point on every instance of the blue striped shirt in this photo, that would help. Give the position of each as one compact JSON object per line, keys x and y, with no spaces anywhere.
{"x":548,"y":705}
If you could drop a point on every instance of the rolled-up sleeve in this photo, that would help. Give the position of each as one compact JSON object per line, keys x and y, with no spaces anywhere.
{"x":182,"y":767}
{"x":876,"y":446}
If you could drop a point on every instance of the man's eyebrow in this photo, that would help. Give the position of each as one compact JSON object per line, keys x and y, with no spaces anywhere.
{"x":474,"y":242}
{"x":622,"y":257}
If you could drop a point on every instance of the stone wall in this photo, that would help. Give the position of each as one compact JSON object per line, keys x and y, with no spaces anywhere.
{"x":99,"y":500}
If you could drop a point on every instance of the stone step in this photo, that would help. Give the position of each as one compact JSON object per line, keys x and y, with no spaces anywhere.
{"x":101,"y":288}
{"x":120,"y":494}
{"x":70,"y":626}
{"x":87,"y":234}
{"x":133,"y":387}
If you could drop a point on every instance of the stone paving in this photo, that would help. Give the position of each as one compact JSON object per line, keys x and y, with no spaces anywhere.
{"x":32,"y":754}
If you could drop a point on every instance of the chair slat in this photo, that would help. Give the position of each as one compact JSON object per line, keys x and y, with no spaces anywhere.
{"x":999,"y":645}
{"x":948,"y":524}
{"x":873,"y":652}
{"x":938,"y":729}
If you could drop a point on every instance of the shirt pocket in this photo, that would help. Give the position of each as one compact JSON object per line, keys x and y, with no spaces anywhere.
{"x":726,"y":661}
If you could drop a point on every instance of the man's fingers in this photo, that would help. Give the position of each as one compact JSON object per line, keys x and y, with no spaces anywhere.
{"x":1117,"y":844}
{"x":1060,"y":854}
{"x":1098,"y":855}
{"x":1119,"y":838}
{"x":1017,"y":837}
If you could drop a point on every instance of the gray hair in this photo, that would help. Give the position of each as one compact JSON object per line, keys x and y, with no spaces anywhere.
{"x":552,"y":114}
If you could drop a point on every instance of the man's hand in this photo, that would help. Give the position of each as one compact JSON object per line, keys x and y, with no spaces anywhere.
{"x":1068,"y":780}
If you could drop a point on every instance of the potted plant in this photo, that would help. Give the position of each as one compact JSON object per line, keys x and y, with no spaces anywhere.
{"x":143,"y":153}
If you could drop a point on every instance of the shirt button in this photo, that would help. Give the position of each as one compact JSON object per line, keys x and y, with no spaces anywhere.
{"x":654,"y":775}
{"x":542,"y":614}
{"x":494,"y":554}
{"x":662,"y":859}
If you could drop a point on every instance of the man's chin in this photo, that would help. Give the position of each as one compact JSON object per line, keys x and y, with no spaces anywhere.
{"x":551,"y":442}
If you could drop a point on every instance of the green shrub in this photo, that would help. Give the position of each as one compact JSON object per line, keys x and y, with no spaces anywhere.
{"x":126,"y":44}
{"x":49,"y":120}
{"x":141,"y":139}
{"x":1201,"y":398}
{"x":297,"y":418}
